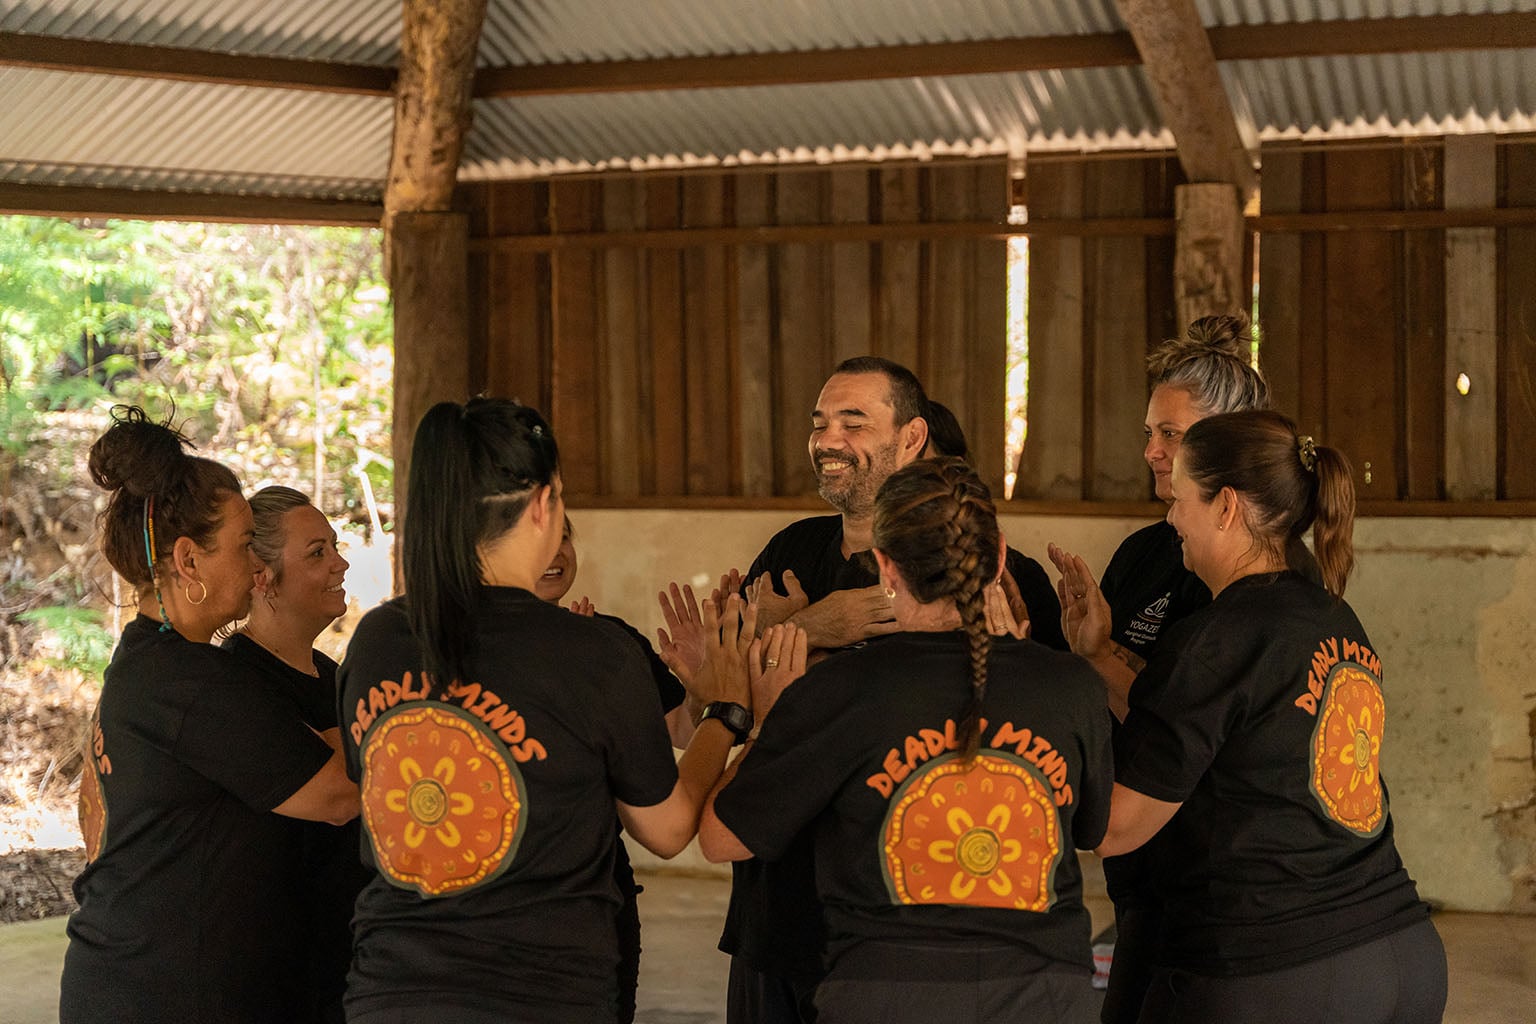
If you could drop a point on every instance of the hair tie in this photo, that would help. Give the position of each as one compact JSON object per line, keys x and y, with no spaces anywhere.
{"x":149,"y":556}
{"x":1306,"y":449}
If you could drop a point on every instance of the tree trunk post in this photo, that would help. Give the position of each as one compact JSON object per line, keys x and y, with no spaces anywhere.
{"x":1208,"y":256}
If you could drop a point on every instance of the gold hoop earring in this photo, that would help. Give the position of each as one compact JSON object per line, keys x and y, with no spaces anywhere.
{"x":188,"y":592}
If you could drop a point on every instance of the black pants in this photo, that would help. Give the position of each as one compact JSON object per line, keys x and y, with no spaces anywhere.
{"x":752,"y":997}
{"x":920,"y":983}
{"x":1396,"y":979}
{"x":1130,"y":972}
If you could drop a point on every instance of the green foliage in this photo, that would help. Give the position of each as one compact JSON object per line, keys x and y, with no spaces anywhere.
{"x":72,"y":638}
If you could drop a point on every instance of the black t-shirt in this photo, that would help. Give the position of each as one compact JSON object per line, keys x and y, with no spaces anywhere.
{"x":182,"y":904}
{"x":1148,"y":588}
{"x":774,"y":917}
{"x":1263,"y":717}
{"x":912,"y":843}
{"x":489,"y":810}
{"x":328,"y":873}
{"x":668,"y":688}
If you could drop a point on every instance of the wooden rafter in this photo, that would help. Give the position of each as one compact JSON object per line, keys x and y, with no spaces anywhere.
{"x":91,"y":56}
{"x":77,"y":201}
{"x":1512,"y":30}
{"x":1181,"y":67}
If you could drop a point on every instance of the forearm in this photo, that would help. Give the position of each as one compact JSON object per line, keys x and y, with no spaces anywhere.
{"x":717,"y":842}
{"x":1118,"y":668}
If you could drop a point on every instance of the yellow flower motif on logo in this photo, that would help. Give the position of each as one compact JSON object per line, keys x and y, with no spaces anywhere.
{"x":1346,"y":751}
{"x":447,"y":827}
{"x":979,"y":833}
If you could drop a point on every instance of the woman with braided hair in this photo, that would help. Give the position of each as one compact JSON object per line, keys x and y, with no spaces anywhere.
{"x":184,"y":896}
{"x":948,"y":776}
{"x":1252,"y":748}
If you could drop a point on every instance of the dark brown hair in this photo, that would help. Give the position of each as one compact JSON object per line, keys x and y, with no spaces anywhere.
{"x":935,"y":519}
{"x":908,"y":399}
{"x":145,"y":466}
{"x":1289,"y":483}
{"x":1212,"y":363}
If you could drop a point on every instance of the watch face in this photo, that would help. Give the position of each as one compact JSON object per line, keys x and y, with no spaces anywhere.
{"x":736,"y":718}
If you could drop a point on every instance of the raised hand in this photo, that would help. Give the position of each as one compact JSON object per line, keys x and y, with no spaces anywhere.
{"x":1085,"y":614}
{"x":1005,"y":610}
{"x":771,"y":608}
{"x":681,"y":643}
{"x":584,"y":607}
{"x":727,"y":640}
{"x":776,"y":659}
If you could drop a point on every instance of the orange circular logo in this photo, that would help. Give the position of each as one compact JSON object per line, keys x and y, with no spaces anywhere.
{"x":980,"y":833}
{"x":442,"y":801}
{"x":1346,"y":750}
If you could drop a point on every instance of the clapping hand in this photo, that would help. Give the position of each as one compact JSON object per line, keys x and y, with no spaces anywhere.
{"x":1085,"y":614}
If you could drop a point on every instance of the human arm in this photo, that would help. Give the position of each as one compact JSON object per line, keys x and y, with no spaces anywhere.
{"x":775,"y":661}
{"x":667,"y":827}
{"x":1133,"y":819}
{"x":329,"y":795}
{"x":774,"y":608}
{"x":845,"y":617}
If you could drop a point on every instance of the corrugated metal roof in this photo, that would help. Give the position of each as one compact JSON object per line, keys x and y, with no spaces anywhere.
{"x":890,"y":119}
{"x":66,"y":128}
{"x":345,"y":31}
{"x":89,"y":129}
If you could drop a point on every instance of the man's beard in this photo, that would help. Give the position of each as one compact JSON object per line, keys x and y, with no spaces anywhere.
{"x":853,"y":492}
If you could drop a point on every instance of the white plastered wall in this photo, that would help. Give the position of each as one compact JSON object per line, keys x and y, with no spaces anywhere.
{"x":1449,"y":603}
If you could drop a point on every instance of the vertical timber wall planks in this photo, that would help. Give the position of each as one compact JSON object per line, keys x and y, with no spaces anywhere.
{"x":679,"y":366}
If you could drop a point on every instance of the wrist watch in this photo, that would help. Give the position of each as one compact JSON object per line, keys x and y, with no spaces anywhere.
{"x":731,"y":715}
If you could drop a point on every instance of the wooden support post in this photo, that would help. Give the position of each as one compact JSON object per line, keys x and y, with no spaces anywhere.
{"x":428,"y":275}
{"x":1471,"y":325}
{"x":1181,"y":66}
{"x":426,"y":247}
{"x":1208,"y":260}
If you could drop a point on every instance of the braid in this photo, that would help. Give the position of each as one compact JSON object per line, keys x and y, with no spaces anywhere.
{"x":935,"y":519}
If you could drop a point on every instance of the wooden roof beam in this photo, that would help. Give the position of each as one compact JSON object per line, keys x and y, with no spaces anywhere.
{"x":1181,"y":68}
{"x":144,"y":204}
{"x":89,"y":56}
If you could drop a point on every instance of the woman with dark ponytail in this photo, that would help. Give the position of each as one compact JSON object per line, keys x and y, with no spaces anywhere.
{"x":1253,"y":741}
{"x":948,"y":774}
{"x":494,"y":735}
{"x":183,"y":898}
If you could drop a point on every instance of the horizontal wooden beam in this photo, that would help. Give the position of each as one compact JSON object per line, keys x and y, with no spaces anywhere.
{"x":1038,"y":53}
{"x":134,"y":204}
{"x":1112,"y":49}
{"x":820,"y":234}
{"x":1119,"y":509}
{"x":994,"y":56}
{"x":1102,"y":227}
{"x":91,"y":56}
{"x":1426,"y":34}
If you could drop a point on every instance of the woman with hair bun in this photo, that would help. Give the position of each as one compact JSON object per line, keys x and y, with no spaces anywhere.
{"x":949,"y":776}
{"x":182,"y":900}
{"x":1253,"y":741}
{"x":493,"y":735}
{"x":300,"y":591}
{"x":1118,"y":623}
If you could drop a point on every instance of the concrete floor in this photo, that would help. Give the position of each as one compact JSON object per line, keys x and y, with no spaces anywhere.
{"x":682,"y":978}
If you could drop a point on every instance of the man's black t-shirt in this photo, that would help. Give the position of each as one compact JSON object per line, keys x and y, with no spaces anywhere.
{"x":489,"y":809}
{"x":774,"y":917}
{"x":913,"y":844}
{"x":182,"y":904}
{"x":1263,"y":716}
{"x":328,"y":873}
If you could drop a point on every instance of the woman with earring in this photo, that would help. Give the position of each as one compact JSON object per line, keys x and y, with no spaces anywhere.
{"x":1118,"y":623}
{"x":948,"y":776}
{"x":493,"y":736}
{"x":300,"y":590}
{"x":1253,"y":742}
{"x":193,"y":763}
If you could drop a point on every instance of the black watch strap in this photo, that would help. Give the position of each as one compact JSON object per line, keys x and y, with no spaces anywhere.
{"x":731,"y":715}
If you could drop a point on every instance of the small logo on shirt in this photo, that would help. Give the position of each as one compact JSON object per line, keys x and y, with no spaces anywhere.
{"x":1146,"y":624}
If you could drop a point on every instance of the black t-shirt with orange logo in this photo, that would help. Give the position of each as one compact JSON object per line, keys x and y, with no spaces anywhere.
{"x":182,"y":906}
{"x":1263,"y":715}
{"x":488,"y":810}
{"x":912,"y":843}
